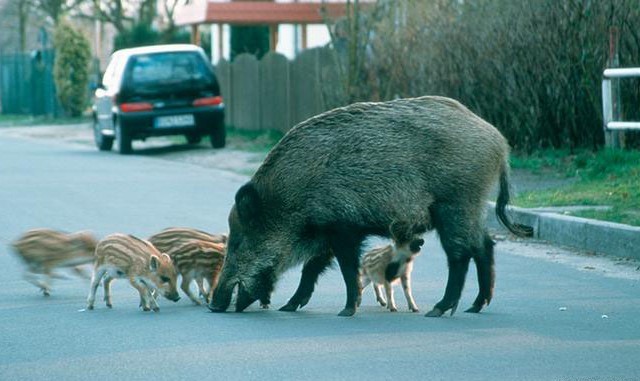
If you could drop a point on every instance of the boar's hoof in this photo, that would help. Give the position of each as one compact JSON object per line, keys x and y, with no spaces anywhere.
{"x":109,"y":305}
{"x":146,"y":309}
{"x":216,"y":309}
{"x":414,"y":309}
{"x":348,"y":311}
{"x":156,"y":309}
{"x":45,"y":292}
{"x":474,"y":309}
{"x":90,"y":307}
{"x":264,"y":306}
{"x":289,"y":307}
{"x":435,"y":312}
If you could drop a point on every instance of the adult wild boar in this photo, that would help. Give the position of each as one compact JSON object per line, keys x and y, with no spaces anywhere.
{"x":348,"y":173}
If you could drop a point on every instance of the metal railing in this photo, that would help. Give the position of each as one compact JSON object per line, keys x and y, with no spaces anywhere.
{"x":612,"y":109}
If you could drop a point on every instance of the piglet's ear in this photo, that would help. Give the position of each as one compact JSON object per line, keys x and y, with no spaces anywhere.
{"x":248,"y":204}
{"x":154,"y":263}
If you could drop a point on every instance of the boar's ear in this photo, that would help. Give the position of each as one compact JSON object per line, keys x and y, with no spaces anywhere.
{"x":400,"y":231}
{"x":154,"y":263}
{"x":248,"y":204}
{"x":167,"y":258}
{"x":420,"y":228}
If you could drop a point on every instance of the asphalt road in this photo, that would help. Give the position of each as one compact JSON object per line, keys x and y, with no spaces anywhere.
{"x":555,"y":315}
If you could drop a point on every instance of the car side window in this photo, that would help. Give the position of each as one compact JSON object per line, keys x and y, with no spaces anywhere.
{"x":114,"y":71}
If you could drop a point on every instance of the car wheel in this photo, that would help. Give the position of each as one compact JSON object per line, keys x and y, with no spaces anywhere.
{"x":104,"y":143}
{"x":218,"y":137}
{"x":123,"y":139}
{"x":193,"y":138}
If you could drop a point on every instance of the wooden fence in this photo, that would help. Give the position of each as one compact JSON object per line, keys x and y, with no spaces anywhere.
{"x":26,"y":84}
{"x":275,"y":93}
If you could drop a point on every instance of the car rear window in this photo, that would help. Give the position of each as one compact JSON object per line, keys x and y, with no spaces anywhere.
{"x":168,"y":69}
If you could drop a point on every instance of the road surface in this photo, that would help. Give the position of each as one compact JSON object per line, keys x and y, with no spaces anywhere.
{"x":556,"y":315}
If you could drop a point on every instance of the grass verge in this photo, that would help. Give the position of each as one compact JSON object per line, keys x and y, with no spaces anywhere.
{"x":607,"y":177}
{"x":12,"y":120}
{"x":260,"y":141}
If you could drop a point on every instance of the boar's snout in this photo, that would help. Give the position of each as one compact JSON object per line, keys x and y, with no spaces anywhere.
{"x":244,"y":299}
{"x":222,"y":297}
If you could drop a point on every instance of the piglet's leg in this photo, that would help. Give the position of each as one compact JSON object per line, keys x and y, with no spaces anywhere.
{"x":406,"y":287}
{"x":143,"y":291}
{"x":34,"y":279}
{"x":364,"y":282}
{"x":379,"y":296}
{"x":95,"y":282}
{"x":202,"y":292}
{"x":107,"y":291}
{"x":391,"y":301}
{"x":186,"y":282}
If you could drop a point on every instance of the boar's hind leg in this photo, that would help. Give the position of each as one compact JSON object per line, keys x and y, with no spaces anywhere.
{"x":346,"y":248}
{"x":457,"y":273}
{"x":310,"y":273}
{"x":486,"y":275}
{"x":458,"y":231}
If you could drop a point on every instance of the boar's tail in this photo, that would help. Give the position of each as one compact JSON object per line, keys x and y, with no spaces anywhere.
{"x":501,"y":206}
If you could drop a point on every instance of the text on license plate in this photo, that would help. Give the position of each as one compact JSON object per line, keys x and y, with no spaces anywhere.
{"x":174,"y":121}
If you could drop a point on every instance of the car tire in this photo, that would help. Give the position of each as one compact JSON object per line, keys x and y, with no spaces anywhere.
{"x":218,"y":137}
{"x":193,"y":138}
{"x":123,"y":139}
{"x":104,"y":143}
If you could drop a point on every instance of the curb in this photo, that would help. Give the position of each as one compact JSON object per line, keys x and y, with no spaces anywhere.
{"x":594,"y":236}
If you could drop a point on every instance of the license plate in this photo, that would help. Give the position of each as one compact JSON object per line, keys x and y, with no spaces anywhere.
{"x":174,"y":121}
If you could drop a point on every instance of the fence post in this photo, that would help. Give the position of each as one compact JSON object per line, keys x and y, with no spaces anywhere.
{"x":245,"y":79}
{"x":223,"y":72}
{"x":607,"y":114}
{"x":274,"y":97}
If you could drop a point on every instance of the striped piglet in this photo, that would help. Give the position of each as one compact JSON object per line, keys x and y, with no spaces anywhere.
{"x":148,"y":270}
{"x":198,"y":257}
{"x":384,"y":265}
{"x":199,"y":261}
{"x":170,"y":238}
{"x":45,"y":250}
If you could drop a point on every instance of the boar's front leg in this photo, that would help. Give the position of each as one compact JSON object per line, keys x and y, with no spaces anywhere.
{"x":310,"y":273}
{"x":458,"y":232}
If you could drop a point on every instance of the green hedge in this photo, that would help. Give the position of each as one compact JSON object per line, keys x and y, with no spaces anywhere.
{"x":71,"y":68}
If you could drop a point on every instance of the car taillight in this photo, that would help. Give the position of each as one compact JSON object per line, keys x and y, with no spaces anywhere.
{"x":136,"y":107}
{"x":208,"y":101}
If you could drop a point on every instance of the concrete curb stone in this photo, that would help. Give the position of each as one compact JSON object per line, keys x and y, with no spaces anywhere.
{"x":595,"y":236}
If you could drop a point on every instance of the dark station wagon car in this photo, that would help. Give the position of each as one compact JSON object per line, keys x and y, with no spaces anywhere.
{"x":157,"y":91}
